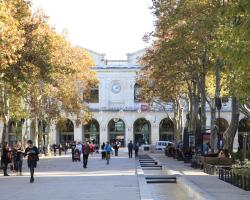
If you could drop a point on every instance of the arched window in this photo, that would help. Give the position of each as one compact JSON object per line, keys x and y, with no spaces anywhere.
{"x":93,"y":94}
{"x":92,"y":131}
{"x":142,"y":131}
{"x":137,"y":93}
{"x":166,"y":130}
{"x":65,"y":129}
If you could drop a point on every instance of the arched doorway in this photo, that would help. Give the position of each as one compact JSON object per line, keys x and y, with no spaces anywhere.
{"x":244,"y":127}
{"x":92,"y":131}
{"x":116,"y":131}
{"x":166,"y":130}
{"x":142,"y":131}
{"x":65,"y":130}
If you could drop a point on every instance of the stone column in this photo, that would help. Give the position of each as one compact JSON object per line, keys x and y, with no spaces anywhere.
{"x":54,"y":139}
{"x":129,"y":134}
{"x":78,"y":132}
{"x":103,"y":133}
{"x":154,"y":133}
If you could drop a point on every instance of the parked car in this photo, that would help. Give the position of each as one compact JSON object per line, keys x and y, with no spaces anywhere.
{"x":161,"y":145}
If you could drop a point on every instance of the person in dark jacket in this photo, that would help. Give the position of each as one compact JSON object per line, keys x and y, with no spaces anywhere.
{"x":103,"y":151}
{"x":116,"y":148}
{"x":136,"y":148}
{"x":19,"y":157}
{"x":6,"y":158}
{"x":60,"y":149}
{"x":32,"y":152}
{"x":85,"y":154}
{"x":54,"y":148}
{"x":73,"y":146}
{"x":130,"y":149}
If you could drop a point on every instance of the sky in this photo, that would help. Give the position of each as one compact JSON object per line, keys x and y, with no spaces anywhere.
{"x":113,"y":27}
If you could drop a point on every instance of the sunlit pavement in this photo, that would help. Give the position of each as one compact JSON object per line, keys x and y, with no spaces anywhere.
{"x":59,"y":178}
{"x":202,"y":182}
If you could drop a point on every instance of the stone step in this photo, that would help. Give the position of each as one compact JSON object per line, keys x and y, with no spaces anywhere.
{"x":149,"y":162}
{"x":152,"y":177}
{"x":151,"y":166}
{"x":161,"y":181}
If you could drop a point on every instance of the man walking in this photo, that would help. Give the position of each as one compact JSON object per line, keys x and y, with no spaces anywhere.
{"x":108,"y":149}
{"x":116,"y":148}
{"x":130,"y":149}
{"x":85,"y":154}
{"x":136,"y":148}
{"x":32,"y":152}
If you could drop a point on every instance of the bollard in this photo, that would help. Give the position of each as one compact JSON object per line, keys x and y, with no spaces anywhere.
{"x":231,"y":177}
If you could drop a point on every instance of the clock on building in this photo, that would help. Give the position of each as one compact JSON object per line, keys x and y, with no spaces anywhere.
{"x":116,"y":88}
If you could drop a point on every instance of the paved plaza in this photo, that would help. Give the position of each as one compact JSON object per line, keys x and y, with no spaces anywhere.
{"x":61,"y":179}
{"x":58,"y":178}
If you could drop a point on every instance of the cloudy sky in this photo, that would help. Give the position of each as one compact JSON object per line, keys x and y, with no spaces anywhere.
{"x":113,"y":27}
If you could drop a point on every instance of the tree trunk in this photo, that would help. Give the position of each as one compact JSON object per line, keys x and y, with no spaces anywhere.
{"x":203,"y":95}
{"x":229,"y":135}
{"x":194,"y":112}
{"x":40,"y":134}
{"x":48,"y":138}
{"x":177,"y":121}
{"x":213,"y":133}
{"x":5,"y":114}
{"x":35,"y":132}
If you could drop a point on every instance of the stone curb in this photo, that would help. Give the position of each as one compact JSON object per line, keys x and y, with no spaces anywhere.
{"x":193,"y":191}
{"x":145,"y":193}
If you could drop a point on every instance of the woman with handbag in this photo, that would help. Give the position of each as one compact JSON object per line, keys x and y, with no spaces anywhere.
{"x":32,"y":152}
{"x":19,"y":151}
{"x":6,"y":158}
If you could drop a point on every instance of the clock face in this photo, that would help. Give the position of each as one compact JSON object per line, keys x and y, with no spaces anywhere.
{"x":116,"y":88}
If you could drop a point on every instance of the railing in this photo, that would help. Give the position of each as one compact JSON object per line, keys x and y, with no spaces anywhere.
{"x":241,"y":181}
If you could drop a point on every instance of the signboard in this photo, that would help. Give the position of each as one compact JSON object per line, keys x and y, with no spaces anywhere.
{"x":144,"y":107}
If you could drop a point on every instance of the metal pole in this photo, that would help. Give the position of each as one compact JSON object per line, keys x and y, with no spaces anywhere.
{"x":219,"y":135}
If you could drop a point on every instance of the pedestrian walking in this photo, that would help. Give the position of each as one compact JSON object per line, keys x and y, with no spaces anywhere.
{"x":85,"y":154}
{"x":96,"y":148}
{"x":136,"y":148}
{"x":32,"y":152}
{"x":77,"y":152}
{"x":54,"y":148}
{"x":92,"y":148}
{"x":73,"y":146}
{"x":103,"y":151}
{"x":60,"y":149}
{"x":108,"y":149}
{"x":19,"y":151}
{"x":66,"y":149}
{"x":130,"y":149}
{"x":116,"y":148}
{"x":6,"y":158}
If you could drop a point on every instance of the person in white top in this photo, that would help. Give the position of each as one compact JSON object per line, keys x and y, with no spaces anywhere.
{"x":79,"y":147}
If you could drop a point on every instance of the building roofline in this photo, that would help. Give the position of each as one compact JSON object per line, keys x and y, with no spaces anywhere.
{"x":101,"y":54}
{"x":138,"y":51}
